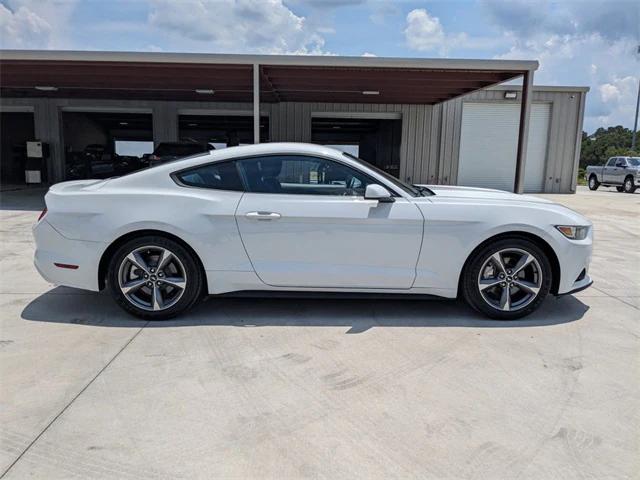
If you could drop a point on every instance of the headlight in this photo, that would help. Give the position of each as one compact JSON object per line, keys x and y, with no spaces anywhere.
{"x":573,"y":232}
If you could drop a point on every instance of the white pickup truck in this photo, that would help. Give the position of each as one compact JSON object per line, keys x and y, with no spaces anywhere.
{"x":620,"y":172}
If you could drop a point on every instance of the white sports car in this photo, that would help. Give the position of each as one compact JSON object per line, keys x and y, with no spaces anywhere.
{"x":290,"y":217}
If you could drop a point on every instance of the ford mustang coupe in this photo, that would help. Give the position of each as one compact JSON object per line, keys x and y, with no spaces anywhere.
{"x":291,"y":217}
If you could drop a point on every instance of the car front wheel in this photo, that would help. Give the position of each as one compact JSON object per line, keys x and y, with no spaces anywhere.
{"x":154,"y":278}
{"x":507,"y":279}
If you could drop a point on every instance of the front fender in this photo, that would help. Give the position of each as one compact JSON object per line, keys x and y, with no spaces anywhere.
{"x":453,"y":229}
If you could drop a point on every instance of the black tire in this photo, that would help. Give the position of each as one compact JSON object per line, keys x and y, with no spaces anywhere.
{"x":620,"y":189}
{"x":629,"y":185}
{"x":478,"y":261}
{"x":593,"y":182}
{"x":183,"y":299}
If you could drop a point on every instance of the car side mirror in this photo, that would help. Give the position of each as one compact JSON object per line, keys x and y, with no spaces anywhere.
{"x":378,"y":192}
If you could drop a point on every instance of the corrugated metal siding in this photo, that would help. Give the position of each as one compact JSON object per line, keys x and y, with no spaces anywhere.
{"x":563,"y":147}
{"x":418,"y":158}
{"x":489,"y":142}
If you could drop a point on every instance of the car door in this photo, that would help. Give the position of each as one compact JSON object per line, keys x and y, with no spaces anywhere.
{"x":609,"y":171}
{"x":304,"y":222}
{"x":621,"y":170}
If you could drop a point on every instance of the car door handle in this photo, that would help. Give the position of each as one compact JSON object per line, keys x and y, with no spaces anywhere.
{"x":263,"y":215}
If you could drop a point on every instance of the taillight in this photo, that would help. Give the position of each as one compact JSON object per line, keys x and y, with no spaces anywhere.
{"x":44,"y":212}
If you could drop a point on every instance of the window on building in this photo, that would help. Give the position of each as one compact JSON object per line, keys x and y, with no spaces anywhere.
{"x":133,"y":148}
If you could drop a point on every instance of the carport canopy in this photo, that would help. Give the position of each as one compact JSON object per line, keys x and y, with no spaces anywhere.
{"x":259,"y":78}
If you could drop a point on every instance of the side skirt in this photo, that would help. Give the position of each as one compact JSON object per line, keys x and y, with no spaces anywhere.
{"x":323,"y":295}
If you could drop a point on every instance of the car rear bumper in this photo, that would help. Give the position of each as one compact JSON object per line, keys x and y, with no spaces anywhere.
{"x":56,"y":256}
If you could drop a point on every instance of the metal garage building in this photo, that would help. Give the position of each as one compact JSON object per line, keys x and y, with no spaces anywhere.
{"x":436,"y":121}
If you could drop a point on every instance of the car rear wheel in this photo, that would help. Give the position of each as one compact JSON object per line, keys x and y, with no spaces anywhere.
{"x":507,"y":279}
{"x":629,"y":186}
{"x":593,"y":183}
{"x":154,"y":278}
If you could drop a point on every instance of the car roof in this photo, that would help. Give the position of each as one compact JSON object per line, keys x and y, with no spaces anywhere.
{"x":257,"y":149}
{"x":279,"y":147}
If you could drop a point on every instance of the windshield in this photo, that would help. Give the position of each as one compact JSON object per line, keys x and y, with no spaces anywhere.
{"x":412,"y":190}
{"x":634,"y":161}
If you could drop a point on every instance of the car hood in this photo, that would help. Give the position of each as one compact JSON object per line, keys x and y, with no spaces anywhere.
{"x":482,"y":194}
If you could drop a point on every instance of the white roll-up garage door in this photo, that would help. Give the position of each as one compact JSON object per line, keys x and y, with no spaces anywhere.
{"x":489,"y":141}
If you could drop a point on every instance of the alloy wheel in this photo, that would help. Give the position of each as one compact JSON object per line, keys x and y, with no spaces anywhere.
{"x":628,"y":185}
{"x":510,"y":279}
{"x":152,"y":278}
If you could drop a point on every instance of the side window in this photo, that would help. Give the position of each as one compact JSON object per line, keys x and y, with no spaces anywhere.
{"x":622,"y":162}
{"x":297,"y":174}
{"x":219,"y":176}
{"x":612,"y":162}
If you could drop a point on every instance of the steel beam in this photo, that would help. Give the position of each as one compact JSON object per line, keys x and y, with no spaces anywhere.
{"x":523,"y":131}
{"x":256,"y":103}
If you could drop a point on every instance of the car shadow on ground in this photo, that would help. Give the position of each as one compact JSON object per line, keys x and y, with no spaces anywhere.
{"x":69,"y":306}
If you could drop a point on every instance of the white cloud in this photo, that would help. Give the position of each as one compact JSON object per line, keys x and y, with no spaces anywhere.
{"x":32,"y":24}
{"x":609,"y":92}
{"x":612,"y":19}
{"x":578,"y":43}
{"x":619,"y":94}
{"x":328,"y":4}
{"x":369,"y":54}
{"x":23,"y":28}
{"x":609,"y":67}
{"x":260,"y":26}
{"x":424,"y":32}
{"x":382,"y":12}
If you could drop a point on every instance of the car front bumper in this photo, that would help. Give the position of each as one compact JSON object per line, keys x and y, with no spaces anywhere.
{"x":582,"y":285}
{"x":574,"y":257}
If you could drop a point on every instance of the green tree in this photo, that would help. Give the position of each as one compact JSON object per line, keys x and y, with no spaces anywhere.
{"x":604,"y":143}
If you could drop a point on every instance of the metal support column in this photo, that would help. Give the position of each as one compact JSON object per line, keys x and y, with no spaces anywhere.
{"x":523,"y":132}
{"x":256,"y":103}
{"x":165,"y":123}
{"x":635,"y":123}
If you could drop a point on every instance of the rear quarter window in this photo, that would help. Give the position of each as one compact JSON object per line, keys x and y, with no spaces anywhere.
{"x":217,"y":176}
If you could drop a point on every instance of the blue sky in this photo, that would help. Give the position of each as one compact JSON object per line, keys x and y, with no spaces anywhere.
{"x":592,"y":43}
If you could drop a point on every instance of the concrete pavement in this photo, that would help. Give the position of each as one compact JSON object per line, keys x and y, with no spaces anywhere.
{"x":322,"y":389}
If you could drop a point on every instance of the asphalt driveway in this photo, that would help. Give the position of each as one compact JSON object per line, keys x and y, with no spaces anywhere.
{"x":322,"y":389}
